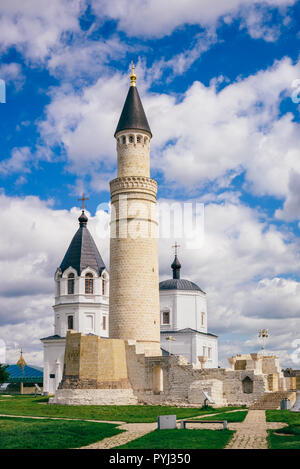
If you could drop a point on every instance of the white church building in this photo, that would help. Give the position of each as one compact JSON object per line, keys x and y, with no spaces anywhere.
{"x":81,"y":301}
{"x":183,"y":323}
{"x":82,"y":305}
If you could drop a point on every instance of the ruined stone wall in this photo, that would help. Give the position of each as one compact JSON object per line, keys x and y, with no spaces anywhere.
{"x":179,"y":377}
{"x":94,"y":363}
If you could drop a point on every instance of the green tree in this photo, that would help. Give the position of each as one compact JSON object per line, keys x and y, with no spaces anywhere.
{"x":4,"y":375}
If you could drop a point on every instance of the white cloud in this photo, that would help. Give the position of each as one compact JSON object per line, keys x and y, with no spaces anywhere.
{"x":179,"y":63}
{"x":291,"y":207}
{"x":38,"y":26}
{"x":12,"y":73}
{"x":209,"y":135}
{"x":84,"y":122}
{"x":17,"y":163}
{"x":153,"y":18}
{"x":86,"y":58}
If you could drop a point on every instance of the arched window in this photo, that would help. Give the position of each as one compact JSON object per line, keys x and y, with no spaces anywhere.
{"x":131,"y":139}
{"x":157,"y":380}
{"x":89,"y":283}
{"x":103,"y":287}
{"x":138,"y":139}
{"x":145,"y":140}
{"x":247,"y":384}
{"x":70,"y":322}
{"x":123,"y":139}
{"x":71,"y":283}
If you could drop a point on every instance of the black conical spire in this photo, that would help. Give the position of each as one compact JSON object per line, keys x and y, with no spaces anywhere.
{"x":82,"y":251}
{"x":133,"y":115}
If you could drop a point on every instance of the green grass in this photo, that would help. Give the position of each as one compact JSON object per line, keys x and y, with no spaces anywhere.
{"x":292,"y":431}
{"x":230,"y":416}
{"x":181,"y":439}
{"x":16,"y":433}
{"x":37,"y":407}
{"x":292,"y":418}
{"x":290,"y":441}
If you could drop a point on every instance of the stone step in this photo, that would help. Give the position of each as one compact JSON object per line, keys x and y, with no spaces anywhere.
{"x":270,"y":401}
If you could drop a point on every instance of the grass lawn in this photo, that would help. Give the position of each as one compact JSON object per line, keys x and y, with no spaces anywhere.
{"x":181,"y":439}
{"x":18,"y":433}
{"x":37,"y":407}
{"x":291,"y":438}
{"x":230,"y":416}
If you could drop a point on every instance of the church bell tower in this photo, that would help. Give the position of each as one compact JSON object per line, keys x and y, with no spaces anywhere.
{"x":134,"y":292}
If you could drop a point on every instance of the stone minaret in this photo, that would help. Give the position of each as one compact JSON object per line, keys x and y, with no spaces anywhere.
{"x":134,"y":292}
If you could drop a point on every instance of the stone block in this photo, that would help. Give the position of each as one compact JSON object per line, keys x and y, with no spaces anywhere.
{"x":165,"y":422}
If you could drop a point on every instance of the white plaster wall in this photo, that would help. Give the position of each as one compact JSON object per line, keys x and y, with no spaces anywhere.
{"x":185,"y":309}
{"x":207,"y":342}
{"x":54,"y":351}
{"x":190,"y":345}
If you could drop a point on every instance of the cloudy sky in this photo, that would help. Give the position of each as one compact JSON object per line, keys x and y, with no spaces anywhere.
{"x":220,"y":83}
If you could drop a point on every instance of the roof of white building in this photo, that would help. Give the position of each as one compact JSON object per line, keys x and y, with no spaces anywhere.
{"x":186,"y":330}
{"x":177,"y":283}
{"x":83,"y":252}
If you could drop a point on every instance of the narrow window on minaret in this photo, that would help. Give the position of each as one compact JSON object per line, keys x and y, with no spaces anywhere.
{"x":202,"y":319}
{"x":89,"y":284}
{"x":71,"y":282}
{"x":104,"y":323}
{"x":103,"y":287}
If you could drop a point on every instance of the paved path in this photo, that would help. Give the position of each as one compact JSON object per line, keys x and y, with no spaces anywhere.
{"x":132,"y":432}
{"x":252,"y":432}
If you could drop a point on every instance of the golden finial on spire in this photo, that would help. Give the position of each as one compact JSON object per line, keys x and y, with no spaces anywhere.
{"x":133,"y":75}
{"x":21,"y":362}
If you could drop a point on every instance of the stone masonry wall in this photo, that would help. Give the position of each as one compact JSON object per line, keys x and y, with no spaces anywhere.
{"x":179,"y":377}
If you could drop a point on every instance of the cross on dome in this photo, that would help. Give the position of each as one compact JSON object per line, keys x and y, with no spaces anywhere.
{"x":176,"y":246}
{"x":83,"y":199}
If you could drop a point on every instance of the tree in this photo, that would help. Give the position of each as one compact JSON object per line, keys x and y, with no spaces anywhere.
{"x":4,"y":375}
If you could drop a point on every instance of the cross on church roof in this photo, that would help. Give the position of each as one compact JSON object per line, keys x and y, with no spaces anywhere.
{"x":83,"y":199}
{"x":176,"y":246}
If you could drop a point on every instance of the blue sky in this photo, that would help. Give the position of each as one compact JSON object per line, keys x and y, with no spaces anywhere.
{"x":216,"y":79}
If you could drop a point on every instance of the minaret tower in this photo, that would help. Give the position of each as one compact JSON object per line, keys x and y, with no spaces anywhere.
{"x":134,"y":293}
